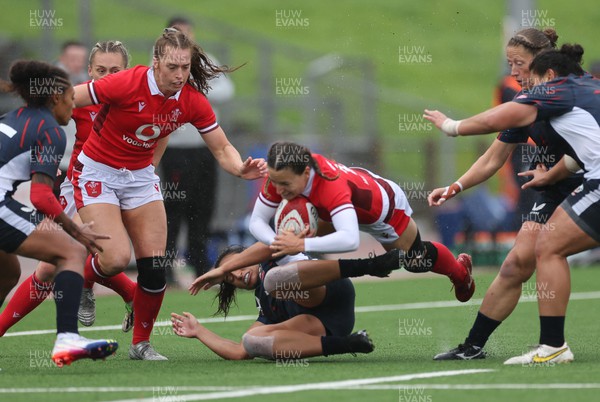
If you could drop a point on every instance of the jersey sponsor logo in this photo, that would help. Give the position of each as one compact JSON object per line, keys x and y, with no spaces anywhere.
{"x":543,"y":359}
{"x":141,"y":105}
{"x":93,"y":115}
{"x":93,"y":188}
{"x":146,"y":132}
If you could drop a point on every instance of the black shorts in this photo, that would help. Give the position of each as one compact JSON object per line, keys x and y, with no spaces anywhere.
{"x":546,"y":201}
{"x":17,"y":221}
{"x":583,"y":206}
{"x":337,"y":310}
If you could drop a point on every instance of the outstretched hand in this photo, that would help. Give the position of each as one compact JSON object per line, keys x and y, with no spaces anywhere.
{"x":86,"y":236}
{"x":253,"y":169}
{"x":207,"y":280}
{"x":185,"y":325}
{"x":539,"y":177}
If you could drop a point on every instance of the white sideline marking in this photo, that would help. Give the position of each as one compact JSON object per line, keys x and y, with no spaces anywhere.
{"x":109,"y":389}
{"x":332,"y":385}
{"x":477,"y":386}
{"x":363,"y":309}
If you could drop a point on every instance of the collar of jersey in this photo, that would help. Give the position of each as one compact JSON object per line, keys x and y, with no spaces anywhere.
{"x":154,"y":86}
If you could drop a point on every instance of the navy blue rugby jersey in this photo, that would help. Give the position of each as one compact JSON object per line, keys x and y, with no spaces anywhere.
{"x":31,"y":141}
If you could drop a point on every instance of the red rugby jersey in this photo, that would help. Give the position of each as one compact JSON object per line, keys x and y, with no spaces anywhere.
{"x":135,"y":115}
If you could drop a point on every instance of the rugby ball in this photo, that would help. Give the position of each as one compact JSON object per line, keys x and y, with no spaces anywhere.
{"x":295,"y":215}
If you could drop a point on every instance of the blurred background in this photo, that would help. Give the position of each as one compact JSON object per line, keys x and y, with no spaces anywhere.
{"x":350,"y":79}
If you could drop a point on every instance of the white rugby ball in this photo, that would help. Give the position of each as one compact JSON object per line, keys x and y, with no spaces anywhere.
{"x":295,"y":215}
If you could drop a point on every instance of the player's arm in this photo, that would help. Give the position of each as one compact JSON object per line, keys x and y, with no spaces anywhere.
{"x":187,"y":325}
{"x":484,"y":168}
{"x":502,"y":117}
{"x":229,"y":158}
{"x":345,"y":238}
{"x":259,"y":220}
{"x":255,"y":254}
{"x":159,"y":151}
{"x":82,"y":96}
{"x":43,"y":199}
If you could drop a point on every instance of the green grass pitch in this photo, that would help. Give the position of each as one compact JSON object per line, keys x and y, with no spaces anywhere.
{"x":407,"y":327}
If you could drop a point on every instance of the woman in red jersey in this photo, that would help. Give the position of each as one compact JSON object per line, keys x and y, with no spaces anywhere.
{"x":352,"y":199}
{"x":106,"y":57}
{"x":114,"y":180}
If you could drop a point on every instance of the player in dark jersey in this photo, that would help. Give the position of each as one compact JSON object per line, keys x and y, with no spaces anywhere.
{"x":350,"y":199}
{"x":31,"y":147}
{"x":114,"y":180}
{"x":105,"y":58}
{"x":503,"y":294}
{"x":570,"y":104}
{"x":306,"y":308}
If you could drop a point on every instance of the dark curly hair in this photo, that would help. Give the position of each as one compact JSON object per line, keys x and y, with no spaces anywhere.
{"x":35,"y":81}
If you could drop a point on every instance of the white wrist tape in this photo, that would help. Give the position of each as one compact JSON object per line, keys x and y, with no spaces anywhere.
{"x":450,"y":127}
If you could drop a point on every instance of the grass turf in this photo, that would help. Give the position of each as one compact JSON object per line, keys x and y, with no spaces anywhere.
{"x":406,"y":338}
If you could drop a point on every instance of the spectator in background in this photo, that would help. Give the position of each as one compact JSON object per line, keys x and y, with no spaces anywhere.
{"x":189,"y":173}
{"x":73,"y":59}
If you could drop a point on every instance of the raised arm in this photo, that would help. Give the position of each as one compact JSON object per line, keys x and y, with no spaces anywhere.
{"x":499,"y":118}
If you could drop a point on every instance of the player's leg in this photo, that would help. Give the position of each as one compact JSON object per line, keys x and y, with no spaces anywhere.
{"x":560,"y":237}
{"x":51,"y":244}
{"x":501,"y":297}
{"x":9,"y":274}
{"x":147,"y":227}
{"x":427,"y":256}
{"x":30,"y":293}
{"x":311,"y":274}
{"x":299,"y":337}
{"x":106,"y":267}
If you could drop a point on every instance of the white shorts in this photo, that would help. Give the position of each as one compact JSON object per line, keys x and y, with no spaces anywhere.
{"x":395,"y":217}
{"x":67,"y":201}
{"x":97,"y":183}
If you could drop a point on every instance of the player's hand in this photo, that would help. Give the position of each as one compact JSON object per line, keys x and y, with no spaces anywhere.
{"x":288,"y":243}
{"x":440,"y":195}
{"x":539,"y":177}
{"x":185,"y":325}
{"x":253,"y":169}
{"x":436,"y":117}
{"x":86,"y":236}
{"x":443,"y":122}
{"x":207,"y":280}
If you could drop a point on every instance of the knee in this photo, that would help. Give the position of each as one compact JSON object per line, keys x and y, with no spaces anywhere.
{"x":152,"y":273}
{"x":515,"y":271}
{"x":45,"y":272}
{"x":75,"y":254}
{"x":282,"y":278}
{"x":114,"y":261}
{"x":258,"y":346}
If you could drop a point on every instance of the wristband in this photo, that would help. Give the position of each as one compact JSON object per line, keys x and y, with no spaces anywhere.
{"x":43,"y":200}
{"x":451,"y":191}
{"x":450,"y":127}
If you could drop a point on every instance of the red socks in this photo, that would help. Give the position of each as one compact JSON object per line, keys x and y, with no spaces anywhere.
{"x":30,"y":294}
{"x":120,"y":283}
{"x":146,"y":306}
{"x":446,"y":263}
